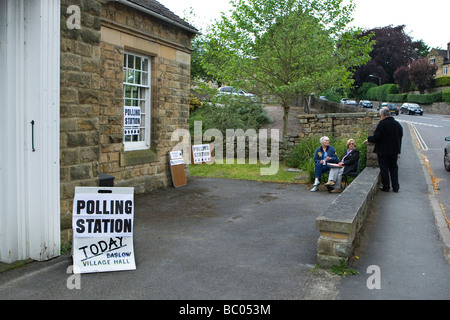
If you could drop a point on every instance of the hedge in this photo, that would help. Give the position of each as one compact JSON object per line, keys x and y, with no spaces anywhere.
{"x":401,"y":97}
{"x":442,"y":81}
{"x":425,"y":98}
{"x":381,"y":93}
{"x":446,"y":95}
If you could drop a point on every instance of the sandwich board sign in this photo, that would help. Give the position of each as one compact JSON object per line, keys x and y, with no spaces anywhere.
{"x":201,"y":153}
{"x":177,"y":169}
{"x":102,"y":226}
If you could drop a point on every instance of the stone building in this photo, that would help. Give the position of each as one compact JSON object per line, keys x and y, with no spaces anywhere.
{"x":90,"y":87}
{"x":440,"y":58}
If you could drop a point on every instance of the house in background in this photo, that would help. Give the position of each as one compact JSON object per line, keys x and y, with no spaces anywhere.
{"x":440,"y":58}
{"x":77,"y":100}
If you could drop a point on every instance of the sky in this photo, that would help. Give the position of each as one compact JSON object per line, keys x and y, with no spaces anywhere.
{"x":424,"y":20}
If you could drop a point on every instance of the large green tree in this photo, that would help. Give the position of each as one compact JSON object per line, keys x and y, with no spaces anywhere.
{"x":286,"y":48}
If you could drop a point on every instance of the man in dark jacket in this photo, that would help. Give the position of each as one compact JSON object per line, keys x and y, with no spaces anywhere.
{"x":388,"y":144}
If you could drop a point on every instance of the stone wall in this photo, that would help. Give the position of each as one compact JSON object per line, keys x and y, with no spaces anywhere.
{"x":79,"y":107}
{"x":342,"y":222}
{"x":92,"y":98}
{"x":437,"y":107}
{"x":347,"y":125}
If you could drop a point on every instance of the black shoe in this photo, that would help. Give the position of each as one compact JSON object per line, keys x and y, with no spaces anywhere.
{"x":395,"y":190}
{"x":384,"y":189}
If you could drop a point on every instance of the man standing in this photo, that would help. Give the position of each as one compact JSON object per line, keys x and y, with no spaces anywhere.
{"x":388,"y":144}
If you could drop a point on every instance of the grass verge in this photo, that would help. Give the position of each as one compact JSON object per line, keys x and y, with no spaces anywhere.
{"x":248,"y":172}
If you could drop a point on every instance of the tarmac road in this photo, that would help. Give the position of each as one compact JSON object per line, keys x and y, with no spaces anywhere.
{"x":212,"y":239}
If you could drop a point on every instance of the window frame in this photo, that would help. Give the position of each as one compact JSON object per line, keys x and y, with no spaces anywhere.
{"x":143,"y":99}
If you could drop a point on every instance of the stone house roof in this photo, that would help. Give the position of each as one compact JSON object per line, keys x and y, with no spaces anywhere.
{"x":156,"y":9}
{"x":444,"y":54}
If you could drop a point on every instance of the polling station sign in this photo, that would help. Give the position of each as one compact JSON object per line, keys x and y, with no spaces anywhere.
{"x":103,"y":229}
{"x":131,"y":120}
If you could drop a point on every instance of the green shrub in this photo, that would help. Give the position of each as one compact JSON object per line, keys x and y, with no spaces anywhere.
{"x":381,"y":93}
{"x":425,"y":98}
{"x":372,"y":93}
{"x":230,"y":113}
{"x":362,"y":91}
{"x":436,"y":97}
{"x":401,"y":97}
{"x":194,"y":103}
{"x":442,"y":81}
{"x":331,"y":95}
{"x":446,"y":96}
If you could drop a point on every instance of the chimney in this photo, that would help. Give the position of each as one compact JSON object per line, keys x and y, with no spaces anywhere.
{"x":448,"y":51}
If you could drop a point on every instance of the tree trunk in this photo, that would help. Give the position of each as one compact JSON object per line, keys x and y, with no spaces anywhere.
{"x":307,"y":104}
{"x":286,"y":109}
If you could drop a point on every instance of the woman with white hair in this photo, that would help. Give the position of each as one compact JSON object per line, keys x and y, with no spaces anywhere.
{"x":323,"y":155}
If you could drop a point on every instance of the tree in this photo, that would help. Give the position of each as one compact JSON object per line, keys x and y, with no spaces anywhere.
{"x":421,"y":48}
{"x":402,"y":79}
{"x":422,"y":73}
{"x":393,"y":49}
{"x":287,"y":48}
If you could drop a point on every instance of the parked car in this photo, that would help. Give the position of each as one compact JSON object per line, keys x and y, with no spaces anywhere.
{"x":411,"y":108}
{"x":365,"y":104}
{"x":348,"y":102}
{"x":234,"y":91}
{"x":447,"y":154}
{"x":391,"y":106}
{"x":323,"y":98}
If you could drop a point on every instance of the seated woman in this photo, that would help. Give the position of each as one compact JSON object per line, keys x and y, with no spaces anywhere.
{"x":323,"y":155}
{"x":349,"y":163}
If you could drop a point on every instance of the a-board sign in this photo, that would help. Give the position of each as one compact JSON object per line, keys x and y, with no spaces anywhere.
{"x":102,"y":226}
{"x":201,"y":153}
{"x":177,"y":169}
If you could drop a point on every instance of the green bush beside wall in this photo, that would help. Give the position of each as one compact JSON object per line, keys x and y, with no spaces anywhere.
{"x":446,"y":96}
{"x":381,"y":93}
{"x":400,"y":98}
{"x":425,"y":98}
{"x":442,"y":81}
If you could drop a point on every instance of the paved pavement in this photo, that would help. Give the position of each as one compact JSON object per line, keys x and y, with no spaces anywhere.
{"x":218,"y":239}
{"x":406,"y":238}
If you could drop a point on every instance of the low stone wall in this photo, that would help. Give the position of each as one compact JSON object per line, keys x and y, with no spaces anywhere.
{"x":348,"y":125}
{"x":341,"y":222}
{"x":336,"y":124}
{"x":437,"y":107}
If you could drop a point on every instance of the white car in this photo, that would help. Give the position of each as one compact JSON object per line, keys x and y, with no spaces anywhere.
{"x":233,"y":91}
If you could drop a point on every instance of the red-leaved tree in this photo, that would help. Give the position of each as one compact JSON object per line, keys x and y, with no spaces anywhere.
{"x":422,"y":73}
{"x":401,"y":76}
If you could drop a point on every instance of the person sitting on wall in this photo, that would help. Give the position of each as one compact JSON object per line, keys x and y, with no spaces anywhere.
{"x":348,"y":163}
{"x":323,"y":155}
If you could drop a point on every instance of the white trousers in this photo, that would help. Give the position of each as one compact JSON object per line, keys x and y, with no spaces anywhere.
{"x":336,"y":175}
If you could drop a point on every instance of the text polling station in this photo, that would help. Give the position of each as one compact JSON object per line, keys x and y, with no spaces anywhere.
{"x":103,"y":229}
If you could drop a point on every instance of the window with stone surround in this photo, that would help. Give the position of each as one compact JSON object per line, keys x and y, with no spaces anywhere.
{"x":136,"y":102}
